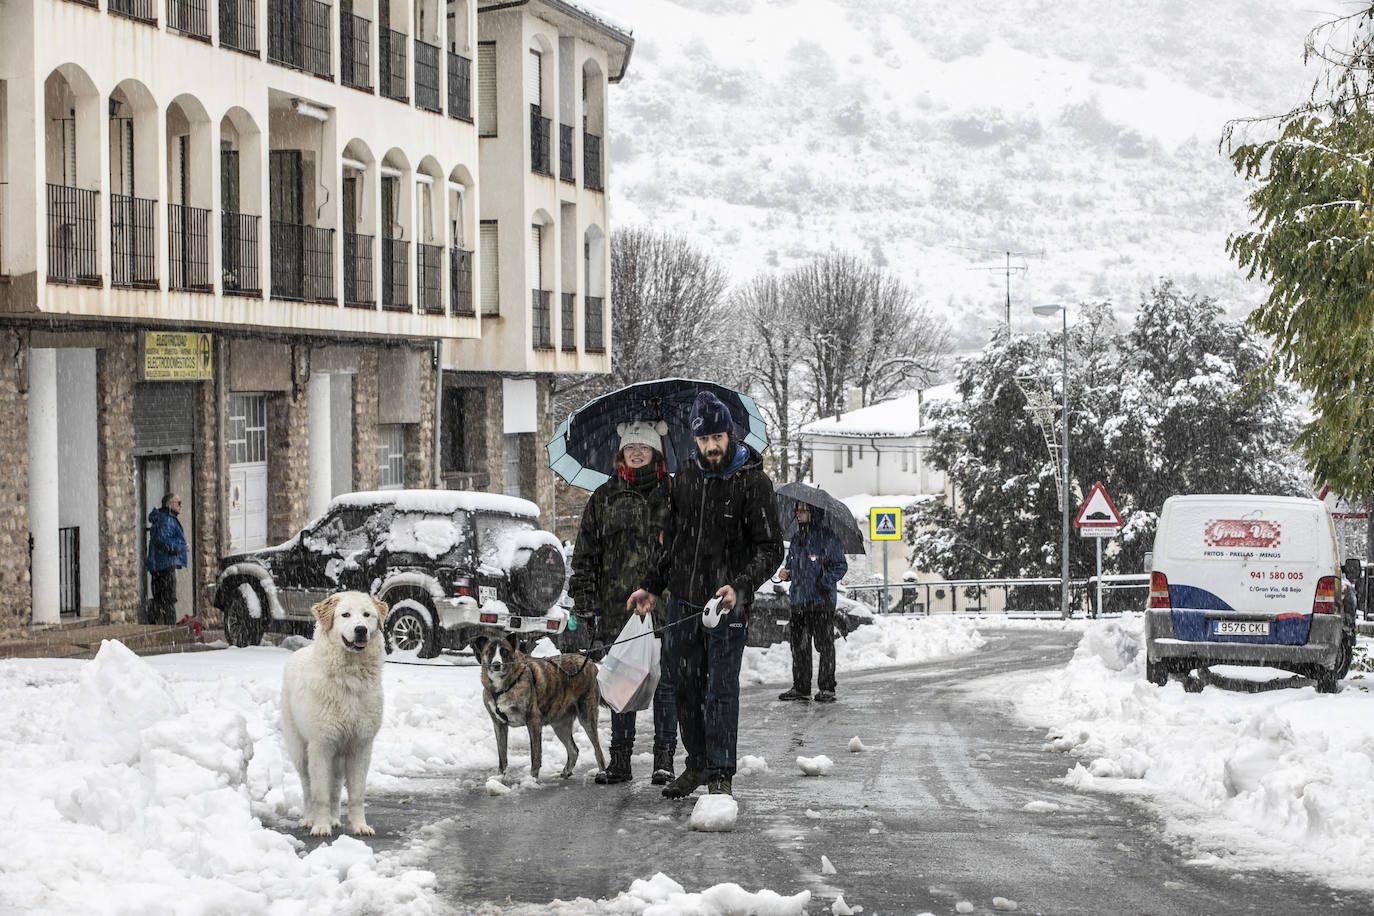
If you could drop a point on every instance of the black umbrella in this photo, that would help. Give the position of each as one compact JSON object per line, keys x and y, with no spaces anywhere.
{"x":582,"y":450}
{"x":835,"y":517}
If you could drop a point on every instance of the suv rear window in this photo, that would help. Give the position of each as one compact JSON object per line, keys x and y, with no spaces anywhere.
{"x":498,"y":537}
{"x":428,"y":534}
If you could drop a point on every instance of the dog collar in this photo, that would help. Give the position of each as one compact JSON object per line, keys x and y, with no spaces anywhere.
{"x":496,"y":695}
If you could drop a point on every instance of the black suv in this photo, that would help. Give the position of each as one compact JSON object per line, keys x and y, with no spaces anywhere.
{"x":450,"y":565}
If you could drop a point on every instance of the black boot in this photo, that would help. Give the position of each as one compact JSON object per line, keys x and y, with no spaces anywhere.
{"x":684,"y":785}
{"x":619,"y":768}
{"x":663,"y":765}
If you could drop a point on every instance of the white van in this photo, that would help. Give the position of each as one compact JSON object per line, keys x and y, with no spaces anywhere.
{"x":1247,"y":580}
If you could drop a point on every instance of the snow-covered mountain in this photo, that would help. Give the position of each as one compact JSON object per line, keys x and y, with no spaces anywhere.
{"x":1080,"y":136}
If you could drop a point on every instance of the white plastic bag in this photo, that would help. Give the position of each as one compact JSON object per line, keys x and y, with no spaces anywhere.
{"x":628,"y":675}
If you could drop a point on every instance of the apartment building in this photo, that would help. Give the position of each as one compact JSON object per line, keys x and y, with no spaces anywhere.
{"x":242,"y":254}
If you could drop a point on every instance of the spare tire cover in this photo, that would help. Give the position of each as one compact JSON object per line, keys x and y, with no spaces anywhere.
{"x":536,"y":578}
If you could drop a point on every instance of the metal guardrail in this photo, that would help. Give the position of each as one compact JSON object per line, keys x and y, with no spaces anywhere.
{"x":916,"y":597}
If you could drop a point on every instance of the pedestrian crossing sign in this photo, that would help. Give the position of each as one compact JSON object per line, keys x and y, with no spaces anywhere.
{"x":885,"y":524}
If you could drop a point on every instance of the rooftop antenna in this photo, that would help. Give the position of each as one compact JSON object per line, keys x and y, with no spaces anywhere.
{"x":1008,"y":269}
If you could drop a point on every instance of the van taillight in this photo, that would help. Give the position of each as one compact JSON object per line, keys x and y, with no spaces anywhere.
{"x":1159,"y":590}
{"x":1325,"y":602}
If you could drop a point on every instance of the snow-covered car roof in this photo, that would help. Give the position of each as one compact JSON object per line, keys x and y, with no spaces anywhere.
{"x":442,"y":502}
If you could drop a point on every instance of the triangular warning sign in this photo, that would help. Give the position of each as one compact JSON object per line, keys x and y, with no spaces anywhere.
{"x":1097,"y":510}
{"x":886,"y":523}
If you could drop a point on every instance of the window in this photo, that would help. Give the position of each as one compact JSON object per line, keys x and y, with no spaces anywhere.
{"x":839,"y":459}
{"x":247,"y":428}
{"x":849,"y":456}
{"x":491,"y":269}
{"x":906,"y":455}
{"x":486,"y":88}
{"x":391,"y":456}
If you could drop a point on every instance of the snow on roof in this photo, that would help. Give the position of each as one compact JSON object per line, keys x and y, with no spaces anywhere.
{"x":439,"y":501}
{"x":899,"y":417}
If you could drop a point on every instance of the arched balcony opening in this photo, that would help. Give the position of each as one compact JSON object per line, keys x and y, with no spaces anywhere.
{"x":240,"y":181}
{"x":133,"y":125}
{"x":462,"y":232}
{"x":594,"y":285}
{"x":395,"y":219}
{"x":301,"y":180}
{"x":459,"y":62}
{"x":190,"y":195}
{"x":429,"y":237}
{"x":71,"y":132}
{"x":540,"y":271}
{"x":359,"y":226}
{"x":593,"y":125}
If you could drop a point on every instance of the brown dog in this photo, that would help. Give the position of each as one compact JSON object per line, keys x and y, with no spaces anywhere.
{"x":519,"y":689}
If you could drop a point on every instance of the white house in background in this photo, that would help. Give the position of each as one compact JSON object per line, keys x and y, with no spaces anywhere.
{"x":879,"y":450}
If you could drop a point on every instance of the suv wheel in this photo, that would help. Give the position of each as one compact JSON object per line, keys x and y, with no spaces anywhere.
{"x":241,"y":628}
{"x":409,"y":630}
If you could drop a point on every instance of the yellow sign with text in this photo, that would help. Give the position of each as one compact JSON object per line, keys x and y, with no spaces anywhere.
{"x":885,"y":524}
{"x":177,"y":356}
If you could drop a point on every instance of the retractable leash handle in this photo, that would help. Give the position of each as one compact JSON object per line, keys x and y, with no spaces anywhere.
{"x":711,"y":613}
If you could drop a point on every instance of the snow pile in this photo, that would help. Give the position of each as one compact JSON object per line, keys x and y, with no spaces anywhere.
{"x":1282,"y":772}
{"x":714,"y":813}
{"x":819,"y":765}
{"x":890,"y":640}
{"x":155,"y":794}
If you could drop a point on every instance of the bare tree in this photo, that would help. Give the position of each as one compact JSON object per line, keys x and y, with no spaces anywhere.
{"x":669,"y":317}
{"x":772,"y":369}
{"x":860,"y":329}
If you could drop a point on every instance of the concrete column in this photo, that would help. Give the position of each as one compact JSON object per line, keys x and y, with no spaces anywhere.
{"x":321,"y":449}
{"x":43,"y":485}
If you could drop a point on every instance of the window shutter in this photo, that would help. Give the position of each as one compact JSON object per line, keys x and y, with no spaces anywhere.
{"x":491,"y":269}
{"x":486,"y":88}
{"x":534,"y":78}
{"x":537,"y":262}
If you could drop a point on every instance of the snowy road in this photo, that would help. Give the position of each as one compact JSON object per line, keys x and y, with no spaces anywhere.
{"x":952,"y":801}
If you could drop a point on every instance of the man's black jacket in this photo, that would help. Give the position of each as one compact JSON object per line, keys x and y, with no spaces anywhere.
{"x":722,"y":530}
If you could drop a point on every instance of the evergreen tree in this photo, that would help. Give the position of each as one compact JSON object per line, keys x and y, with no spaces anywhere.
{"x":1159,"y":409}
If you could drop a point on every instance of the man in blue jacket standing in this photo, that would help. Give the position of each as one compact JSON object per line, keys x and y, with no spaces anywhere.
{"x":815,"y":565}
{"x":166,"y":554}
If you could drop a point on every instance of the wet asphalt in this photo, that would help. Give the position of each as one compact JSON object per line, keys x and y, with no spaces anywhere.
{"x":952,"y":801}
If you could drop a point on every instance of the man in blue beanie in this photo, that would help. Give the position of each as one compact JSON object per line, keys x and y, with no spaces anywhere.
{"x":722,"y":541}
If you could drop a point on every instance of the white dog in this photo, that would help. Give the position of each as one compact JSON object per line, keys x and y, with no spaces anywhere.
{"x":331,"y":708}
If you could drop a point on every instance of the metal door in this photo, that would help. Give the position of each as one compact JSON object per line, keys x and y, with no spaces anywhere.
{"x":154,"y":477}
{"x":247,"y":472}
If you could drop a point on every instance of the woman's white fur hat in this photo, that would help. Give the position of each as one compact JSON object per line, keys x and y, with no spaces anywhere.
{"x":643,"y":432}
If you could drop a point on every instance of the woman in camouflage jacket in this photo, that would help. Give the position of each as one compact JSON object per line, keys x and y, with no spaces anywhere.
{"x":617,"y":541}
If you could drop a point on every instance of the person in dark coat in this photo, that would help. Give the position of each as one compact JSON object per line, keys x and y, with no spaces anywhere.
{"x":722,"y":541}
{"x":166,"y":554}
{"x":617,"y":542}
{"x":815,"y":565}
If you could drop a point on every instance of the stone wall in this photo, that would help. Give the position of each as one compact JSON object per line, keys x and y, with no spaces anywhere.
{"x":365,"y":382}
{"x":14,"y":486}
{"x":420,"y":436}
{"x":288,"y":458}
{"x":211,"y":468}
{"x":117,"y":370}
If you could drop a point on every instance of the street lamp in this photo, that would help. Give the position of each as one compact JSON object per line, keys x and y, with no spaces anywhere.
{"x":1046,"y":311}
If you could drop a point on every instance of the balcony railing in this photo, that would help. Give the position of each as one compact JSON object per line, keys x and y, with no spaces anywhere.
{"x":73,"y":220}
{"x":539,"y":142}
{"x":69,"y":570}
{"x":460,"y":282}
{"x":358,"y":292}
{"x":459,"y":87}
{"x":141,"y":10}
{"x":591,"y":162}
{"x":569,"y":326}
{"x":391,"y":64}
{"x":133,"y":242}
{"x":430,"y":278}
{"x":188,"y":248}
{"x":302,"y":262}
{"x":543,"y":318}
{"x":298,"y":35}
{"x":565,"y":154}
{"x":395,"y":275}
{"x":239,"y":274}
{"x":355,"y":51}
{"x":189,"y":17}
{"x":427,"y":77}
{"x":591,"y":318}
{"x":238,"y":25}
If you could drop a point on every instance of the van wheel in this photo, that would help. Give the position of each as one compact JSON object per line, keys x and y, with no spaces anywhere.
{"x":1193,"y":683}
{"x":1156,"y":673}
{"x":408,"y":628}
{"x":1347,"y":652}
{"x":241,"y":628}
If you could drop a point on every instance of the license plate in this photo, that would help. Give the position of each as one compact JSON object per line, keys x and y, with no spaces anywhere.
{"x":1240,"y":627}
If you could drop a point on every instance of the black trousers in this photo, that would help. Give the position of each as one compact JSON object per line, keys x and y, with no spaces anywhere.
{"x":812,"y":624}
{"x":162,"y":608}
